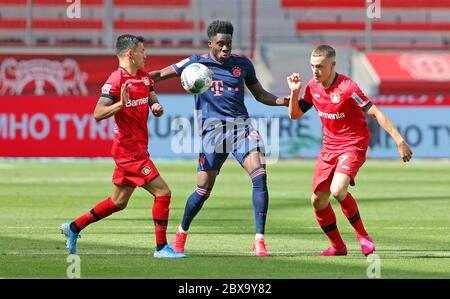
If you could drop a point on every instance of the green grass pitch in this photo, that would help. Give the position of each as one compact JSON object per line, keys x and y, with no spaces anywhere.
{"x":405,"y":208}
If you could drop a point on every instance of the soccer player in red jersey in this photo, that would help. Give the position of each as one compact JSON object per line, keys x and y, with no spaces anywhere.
{"x":129,"y":94}
{"x":341,"y":106}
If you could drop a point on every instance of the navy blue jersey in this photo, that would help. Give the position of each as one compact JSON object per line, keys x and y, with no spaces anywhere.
{"x":225,"y":99}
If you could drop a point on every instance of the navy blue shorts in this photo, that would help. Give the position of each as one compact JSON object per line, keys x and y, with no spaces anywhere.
{"x":221,"y":139}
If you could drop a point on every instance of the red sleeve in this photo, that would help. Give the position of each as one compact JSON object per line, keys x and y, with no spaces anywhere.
{"x":358,"y":97}
{"x":111,"y":88}
{"x":307,"y":97}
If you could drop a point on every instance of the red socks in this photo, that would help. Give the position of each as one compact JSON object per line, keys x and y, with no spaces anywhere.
{"x":350,"y":210}
{"x":160,"y":213}
{"x":101,"y":210}
{"x":327,"y":221}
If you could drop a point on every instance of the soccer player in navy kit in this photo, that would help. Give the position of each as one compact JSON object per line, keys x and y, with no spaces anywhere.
{"x":224,"y":127}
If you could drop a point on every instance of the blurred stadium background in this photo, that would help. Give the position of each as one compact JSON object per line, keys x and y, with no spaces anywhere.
{"x":56,"y":54}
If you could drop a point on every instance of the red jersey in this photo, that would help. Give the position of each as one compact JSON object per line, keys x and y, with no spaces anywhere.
{"x":340,"y":108}
{"x":130,"y":130}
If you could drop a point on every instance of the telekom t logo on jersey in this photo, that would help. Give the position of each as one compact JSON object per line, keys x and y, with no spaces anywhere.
{"x":218,"y":87}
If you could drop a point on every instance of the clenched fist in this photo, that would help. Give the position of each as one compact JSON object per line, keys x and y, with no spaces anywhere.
{"x":157,"y":109}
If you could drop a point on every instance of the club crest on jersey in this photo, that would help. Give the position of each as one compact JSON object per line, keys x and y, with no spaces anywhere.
{"x":357,"y":99}
{"x":335,"y":98}
{"x":146,"y":170}
{"x":236,"y":71}
{"x":106,"y":88}
{"x":146,"y":81}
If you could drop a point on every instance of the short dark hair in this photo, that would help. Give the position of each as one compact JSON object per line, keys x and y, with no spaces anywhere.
{"x":324,"y":50}
{"x":219,"y":26}
{"x":127,"y":41}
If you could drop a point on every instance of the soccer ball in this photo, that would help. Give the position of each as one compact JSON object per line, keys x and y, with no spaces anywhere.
{"x":196,"y":78}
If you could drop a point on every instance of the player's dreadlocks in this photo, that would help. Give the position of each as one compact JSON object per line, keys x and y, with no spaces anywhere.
{"x":218,"y":26}
{"x":127,"y":41}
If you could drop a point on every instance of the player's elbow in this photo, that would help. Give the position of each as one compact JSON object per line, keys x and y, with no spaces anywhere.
{"x":294,"y":116}
{"x":97,"y":115}
{"x":156,"y":76}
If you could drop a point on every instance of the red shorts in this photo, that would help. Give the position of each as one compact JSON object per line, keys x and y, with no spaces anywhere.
{"x":330,"y":163}
{"x":134,"y":173}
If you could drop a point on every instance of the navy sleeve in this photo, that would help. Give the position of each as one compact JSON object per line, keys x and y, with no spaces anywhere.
{"x":250,"y":77}
{"x":180,"y":66}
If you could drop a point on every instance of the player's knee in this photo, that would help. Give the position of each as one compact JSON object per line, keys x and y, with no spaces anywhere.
{"x":338,"y":192}
{"x":166,"y":192}
{"x":121,"y":204}
{"x":259,"y":177}
{"x":163,"y":192}
{"x":202,"y":193}
{"x":318,"y":202}
{"x":314,"y":199}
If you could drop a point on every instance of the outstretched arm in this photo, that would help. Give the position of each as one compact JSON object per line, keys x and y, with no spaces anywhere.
{"x":386,"y":124}
{"x":106,"y":107}
{"x":265,"y":97}
{"x":165,"y":73}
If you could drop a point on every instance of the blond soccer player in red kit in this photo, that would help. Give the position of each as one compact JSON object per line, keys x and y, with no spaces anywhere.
{"x":341,"y":107}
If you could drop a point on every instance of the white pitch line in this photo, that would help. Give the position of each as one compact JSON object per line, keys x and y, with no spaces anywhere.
{"x":8,"y":166}
{"x":194,"y":253}
{"x":28,"y":180}
{"x":230,"y":227}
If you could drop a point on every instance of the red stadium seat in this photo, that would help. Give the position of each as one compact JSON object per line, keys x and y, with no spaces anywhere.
{"x":404,"y":4}
{"x":163,"y":32}
{"x":64,"y":3}
{"x":157,"y":25}
{"x":174,"y":3}
{"x":376,"y":26}
{"x":13,"y":24}
{"x":287,"y":4}
{"x":13,"y":2}
{"x":67,"y":24}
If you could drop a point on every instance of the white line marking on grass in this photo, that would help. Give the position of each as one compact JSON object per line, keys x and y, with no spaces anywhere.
{"x":8,"y":166}
{"x":203,"y":229}
{"x":415,"y":228}
{"x":28,"y":180}
{"x":244,"y":253}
